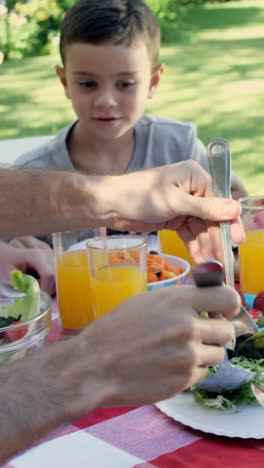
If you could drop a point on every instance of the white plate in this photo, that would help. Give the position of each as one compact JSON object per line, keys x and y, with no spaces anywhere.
{"x":247,"y":423}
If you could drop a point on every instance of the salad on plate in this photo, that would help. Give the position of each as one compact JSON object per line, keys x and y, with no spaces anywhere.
{"x":247,"y":355}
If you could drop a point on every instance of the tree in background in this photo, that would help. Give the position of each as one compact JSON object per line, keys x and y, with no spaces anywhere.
{"x":5,"y":28}
{"x":28,"y":27}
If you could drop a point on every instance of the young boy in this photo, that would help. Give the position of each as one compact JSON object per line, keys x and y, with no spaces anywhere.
{"x":109,"y":51}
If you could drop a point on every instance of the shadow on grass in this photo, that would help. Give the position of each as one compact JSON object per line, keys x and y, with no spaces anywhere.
{"x":222,"y":18}
{"x":218,"y":85}
{"x":207,"y":62}
{"x":193,"y":20}
{"x":28,"y":68}
{"x":32,"y":105}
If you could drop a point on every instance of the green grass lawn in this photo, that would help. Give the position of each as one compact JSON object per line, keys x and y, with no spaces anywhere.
{"x":214,"y":77}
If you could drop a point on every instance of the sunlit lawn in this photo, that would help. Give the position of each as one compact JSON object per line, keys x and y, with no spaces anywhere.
{"x":214,"y":77}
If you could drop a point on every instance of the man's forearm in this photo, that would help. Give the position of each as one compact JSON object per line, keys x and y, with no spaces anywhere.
{"x":39,"y":202}
{"x":41,"y":392}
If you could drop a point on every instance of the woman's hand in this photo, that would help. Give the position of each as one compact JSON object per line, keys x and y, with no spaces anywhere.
{"x":28,"y":254}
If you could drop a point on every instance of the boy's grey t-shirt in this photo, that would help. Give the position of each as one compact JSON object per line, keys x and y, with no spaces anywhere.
{"x":158,"y":142}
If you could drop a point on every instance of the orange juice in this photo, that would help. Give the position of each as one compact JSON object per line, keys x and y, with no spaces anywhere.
{"x":251,"y":262}
{"x":73,"y":289}
{"x":112,"y":284}
{"x":171,"y":244}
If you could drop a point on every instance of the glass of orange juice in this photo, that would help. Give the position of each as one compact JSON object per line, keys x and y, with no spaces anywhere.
{"x":73,"y":279}
{"x":118,"y":266}
{"x":251,"y":252}
{"x":171,"y":244}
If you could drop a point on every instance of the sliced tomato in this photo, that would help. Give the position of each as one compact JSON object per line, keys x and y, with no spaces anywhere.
{"x":16,"y":333}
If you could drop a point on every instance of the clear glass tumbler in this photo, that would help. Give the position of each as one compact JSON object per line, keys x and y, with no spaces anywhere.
{"x":118,"y":267}
{"x":251,"y":252}
{"x":73,"y":279}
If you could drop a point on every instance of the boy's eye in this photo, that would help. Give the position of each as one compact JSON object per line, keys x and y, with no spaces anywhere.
{"x":126,"y":84}
{"x":87,"y":84}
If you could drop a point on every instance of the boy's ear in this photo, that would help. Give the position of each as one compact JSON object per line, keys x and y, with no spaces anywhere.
{"x":155,"y":77}
{"x":62,"y":77}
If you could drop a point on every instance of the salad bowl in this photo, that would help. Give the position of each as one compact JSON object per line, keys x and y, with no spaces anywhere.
{"x":25,"y":320}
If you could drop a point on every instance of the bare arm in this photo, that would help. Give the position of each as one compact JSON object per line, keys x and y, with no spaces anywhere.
{"x":44,"y":201}
{"x":99,"y":368}
{"x":39,"y":202}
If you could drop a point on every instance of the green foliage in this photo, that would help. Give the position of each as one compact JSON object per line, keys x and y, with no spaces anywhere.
{"x":28,"y":27}
{"x":169,"y":14}
{"x":191,"y":3}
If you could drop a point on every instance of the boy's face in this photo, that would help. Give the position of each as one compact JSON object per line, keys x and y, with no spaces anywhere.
{"x":108,"y":85}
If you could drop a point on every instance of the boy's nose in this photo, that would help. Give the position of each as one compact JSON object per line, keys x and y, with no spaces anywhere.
{"x":105,"y":98}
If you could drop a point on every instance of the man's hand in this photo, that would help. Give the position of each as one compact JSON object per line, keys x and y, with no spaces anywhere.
{"x":151,"y":347}
{"x":177,"y":197}
{"x":28,"y":253}
{"x":159,"y":345}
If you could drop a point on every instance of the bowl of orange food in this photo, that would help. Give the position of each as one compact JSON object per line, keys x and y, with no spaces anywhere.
{"x":166,"y":270}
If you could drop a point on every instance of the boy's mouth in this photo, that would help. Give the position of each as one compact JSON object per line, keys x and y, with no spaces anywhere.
{"x":107,"y":120}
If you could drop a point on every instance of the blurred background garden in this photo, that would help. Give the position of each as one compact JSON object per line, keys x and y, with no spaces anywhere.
{"x":213,"y":52}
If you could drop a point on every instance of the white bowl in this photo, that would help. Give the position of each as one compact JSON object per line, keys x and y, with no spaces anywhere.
{"x":179,"y":279}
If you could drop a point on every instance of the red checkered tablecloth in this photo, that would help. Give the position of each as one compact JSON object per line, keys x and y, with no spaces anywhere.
{"x":140,"y":437}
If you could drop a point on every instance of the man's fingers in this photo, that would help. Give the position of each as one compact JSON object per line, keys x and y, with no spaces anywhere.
{"x":197,"y":238}
{"x":198,"y":373}
{"x":212,"y":209}
{"x":237,"y":231}
{"x":223,"y":299}
{"x":216,"y":332}
{"x":211,"y":355}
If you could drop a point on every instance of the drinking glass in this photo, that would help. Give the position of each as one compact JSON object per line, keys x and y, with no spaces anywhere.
{"x":171,"y":244}
{"x":251,"y":252}
{"x":73,"y":279}
{"x":118,"y":266}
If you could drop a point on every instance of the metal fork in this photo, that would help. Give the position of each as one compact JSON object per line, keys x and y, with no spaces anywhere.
{"x":227,"y":377}
{"x":219,"y":158}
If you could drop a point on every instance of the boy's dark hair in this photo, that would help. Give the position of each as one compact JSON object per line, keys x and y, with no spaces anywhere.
{"x":118,"y":21}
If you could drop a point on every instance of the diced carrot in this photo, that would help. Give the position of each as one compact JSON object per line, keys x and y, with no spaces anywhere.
{"x":167,"y":275}
{"x":124,"y":257}
{"x":178,"y":270}
{"x":167,"y":266}
{"x":160,"y":269}
{"x":152,"y":277}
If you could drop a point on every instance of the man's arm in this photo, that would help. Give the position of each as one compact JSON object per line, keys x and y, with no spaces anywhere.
{"x":33,"y":201}
{"x":101,"y":368}
{"x":39,"y":202}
